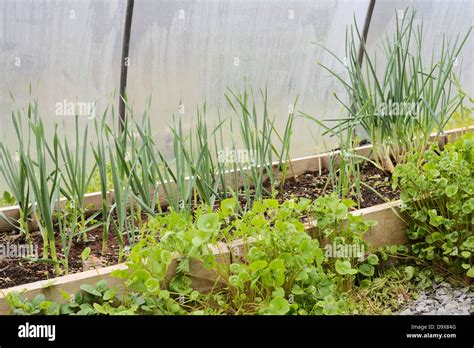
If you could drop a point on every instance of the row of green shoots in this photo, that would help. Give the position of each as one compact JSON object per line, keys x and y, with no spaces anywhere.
{"x":49,"y":177}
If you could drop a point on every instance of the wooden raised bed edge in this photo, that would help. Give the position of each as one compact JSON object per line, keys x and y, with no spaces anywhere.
{"x":391,"y":229}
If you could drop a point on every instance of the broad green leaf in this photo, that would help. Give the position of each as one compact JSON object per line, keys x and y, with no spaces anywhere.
{"x":367,"y":270}
{"x":109,"y":294}
{"x":166,"y":256}
{"x":85,"y":254}
{"x":209,"y":261}
{"x":410,"y":271}
{"x":228,"y":205}
{"x":90,"y":289}
{"x":344,"y":267}
{"x":373,"y":259}
{"x":152,"y":285}
{"x":297,"y":290}
{"x":65,"y":295}
{"x":100,"y":309}
{"x":164,"y":294}
{"x":279,"y":306}
{"x":258,"y":265}
{"x":451,"y":190}
{"x":208,"y":223}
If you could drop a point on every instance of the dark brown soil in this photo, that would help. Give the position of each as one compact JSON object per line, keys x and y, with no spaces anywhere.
{"x":312,"y":185}
{"x":17,"y":271}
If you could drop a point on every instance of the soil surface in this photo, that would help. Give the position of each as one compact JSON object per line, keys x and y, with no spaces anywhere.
{"x":312,"y":185}
{"x":22,"y":270}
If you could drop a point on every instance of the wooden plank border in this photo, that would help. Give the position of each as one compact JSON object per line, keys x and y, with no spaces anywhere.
{"x":202,"y":279}
{"x":68,"y":283}
{"x":391,"y":229}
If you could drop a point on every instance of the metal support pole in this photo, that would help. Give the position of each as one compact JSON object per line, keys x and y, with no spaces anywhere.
{"x":365,"y":32}
{"x":124,"y":61}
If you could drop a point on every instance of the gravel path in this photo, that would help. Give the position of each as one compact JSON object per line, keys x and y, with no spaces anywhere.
{"x":443,"y":299}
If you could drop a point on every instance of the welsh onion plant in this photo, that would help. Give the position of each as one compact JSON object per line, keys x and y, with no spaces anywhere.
{"x":44,"y":184}
{"x":283,"y":155}
{"x":146,"y":168}
{"x":125,"y":212}
{"x":75,"y":173}
{"x":172,"y":181}
{"x":121,"y":190}
{"x":259,"y":135}
{"x":243,"y":185}
{"x":119,"y":160}
{"x":180,"y":169}
{"x":15,"y":174}
{"x":135,"y":159}
{"x":227,"y":187}
{"x":101,"y":162}
{"x":345,"y":175}
{"x":256,"y":138}
{"x":400,"y":107}
{"x":345,"y":165}
{"x":206,"y":172}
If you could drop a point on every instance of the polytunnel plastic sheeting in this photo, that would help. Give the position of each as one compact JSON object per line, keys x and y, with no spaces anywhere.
{"x":69,"y":51}
{"x":188,"y":52}
{"x":184,"y":53}
{"x":450,"y":18}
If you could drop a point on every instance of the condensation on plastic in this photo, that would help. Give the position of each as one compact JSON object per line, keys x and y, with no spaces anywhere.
{"x":186,"y":53}
{"x":69,"y":51}
{"x":450,"y":18}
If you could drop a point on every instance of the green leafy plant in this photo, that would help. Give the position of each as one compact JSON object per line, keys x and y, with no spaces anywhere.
{"x":8,"y":199}
{"x":438,"y":194}
{"x":19,"y":305}
{"x":386,"y":293}
{"x":277,"y":268}
{"x":284,"y":270}
{"x":342,"y":235}
{"x":98,"y":299}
